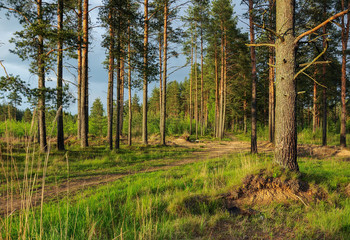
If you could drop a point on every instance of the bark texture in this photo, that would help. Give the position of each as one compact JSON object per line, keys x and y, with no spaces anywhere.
{"x":286,"y":135}
{"x":60,"y":132}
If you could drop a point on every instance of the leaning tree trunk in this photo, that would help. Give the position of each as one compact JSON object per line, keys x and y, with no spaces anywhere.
{"x":60,"y":132}
{"x":110,"y":82}
{"x":286,"y":134}
{"x":145,"y":77}
{"x":41,"y":84}
{"x":165,"y":49}
{"x":84,"y":78}
{"x":253,"y":146}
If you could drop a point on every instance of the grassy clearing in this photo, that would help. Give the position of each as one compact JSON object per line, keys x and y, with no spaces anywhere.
{"x":184,"y":203}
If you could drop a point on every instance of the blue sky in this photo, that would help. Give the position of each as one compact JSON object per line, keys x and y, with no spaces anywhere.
{"x":97,"y":75}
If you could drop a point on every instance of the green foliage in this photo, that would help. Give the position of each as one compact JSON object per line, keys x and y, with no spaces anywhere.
{"x":98,"y":122}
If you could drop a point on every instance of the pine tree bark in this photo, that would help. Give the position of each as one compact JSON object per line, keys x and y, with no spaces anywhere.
{"x":110,"y":81}
{"x":345,"y":38}
{"x":271,"y":97}
{"x":165,"y":49}
{"x":41,"y":84}
{"x":271,"y":81}
{"x":217,"y":84}
{"x":191,"y":83}
{"x":286,"y":134}
{"x":314,"y":108}
{"x":202,"y":84}
{"x":84,"y":78}
{"x":145,"y":76}
{"x":80,"y":27}
{"x":222,"y":81}
{"x":160,"y":81}
{"x":122,"y":79}
{"x":129,"y":89}
{"x":196,"y":82}
{"x":324,"y":123}
{"x":60,"y":132}
{"x":253,"y":145}
{"x":225,"y":87}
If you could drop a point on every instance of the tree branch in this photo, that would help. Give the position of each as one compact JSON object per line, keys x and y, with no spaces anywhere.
{"x":318,"y":62}
{"x":20,"y":13}
{"x":270,"y":30}
{"x":320,"y":25}
{"x":4,"y":68}
{"x":314,"y":80}
{"x":313,"y":61}
{"x":260,"y":45}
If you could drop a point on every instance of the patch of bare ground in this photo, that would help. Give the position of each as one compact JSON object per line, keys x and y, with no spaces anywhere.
{"x":263,"y":188}
{"x":10,"y":202}
{"x":322,"y":152}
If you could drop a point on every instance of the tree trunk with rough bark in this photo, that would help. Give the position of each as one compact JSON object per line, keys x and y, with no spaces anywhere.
{"x":41,"y":84}
{"x":253,"y":145}
{"x":145,"y":75}
{"x":129,"y":89}
{"x":111,"y":67}
{"x":60,"y":132}
{"x":165,"y":49}
{"x":345,"y":38}
{"x":84,"y":78}
{"x":80,"y":27}
{"x":286,"y":134}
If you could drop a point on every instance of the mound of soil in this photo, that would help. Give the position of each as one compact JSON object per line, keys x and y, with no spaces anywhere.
{"x":264,"y":188}
{"x":347,"y":190}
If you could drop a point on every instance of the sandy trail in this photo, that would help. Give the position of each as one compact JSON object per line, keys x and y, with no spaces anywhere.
{"x":206,"y":150}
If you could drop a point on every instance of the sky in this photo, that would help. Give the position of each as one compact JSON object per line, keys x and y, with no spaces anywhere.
{"x":98,"y":75}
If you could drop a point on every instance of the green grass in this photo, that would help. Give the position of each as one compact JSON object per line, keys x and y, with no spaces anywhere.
{"x":184,"y":203}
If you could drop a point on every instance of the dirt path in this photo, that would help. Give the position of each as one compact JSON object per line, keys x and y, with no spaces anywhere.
{"x":206,"y":150}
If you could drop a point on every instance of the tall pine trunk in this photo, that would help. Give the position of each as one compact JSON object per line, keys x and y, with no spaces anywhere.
{"x":129,"y":89}
{"x":165,"y":49}
{"x":344,"y":37}
{"x":41,"y":83}
{"x":122,"y":79}
{"x":222,"y":81}
{"x":202,"y":84}
{"x":286,"y":134}
{"x":196,"y":81}
{"x":253,"y":146}
{"x":84,"y":78}
{"x":80,"y":27}
{"x":191,"y":83}
{"x":160,"y":81}
{"x":314,"y":108}
{"x":271,"y":80}
{"x":110,"y":82}
{"x":60,"y":132}
{"x":216,"y":93}
{"x":324,"y":123}
{"x":145,"y":76}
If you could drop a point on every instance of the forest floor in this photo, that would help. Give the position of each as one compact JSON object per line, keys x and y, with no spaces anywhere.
{"x":199,"y":151}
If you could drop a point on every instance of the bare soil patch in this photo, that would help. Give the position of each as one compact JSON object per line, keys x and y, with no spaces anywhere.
{"x":263,"y":189}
